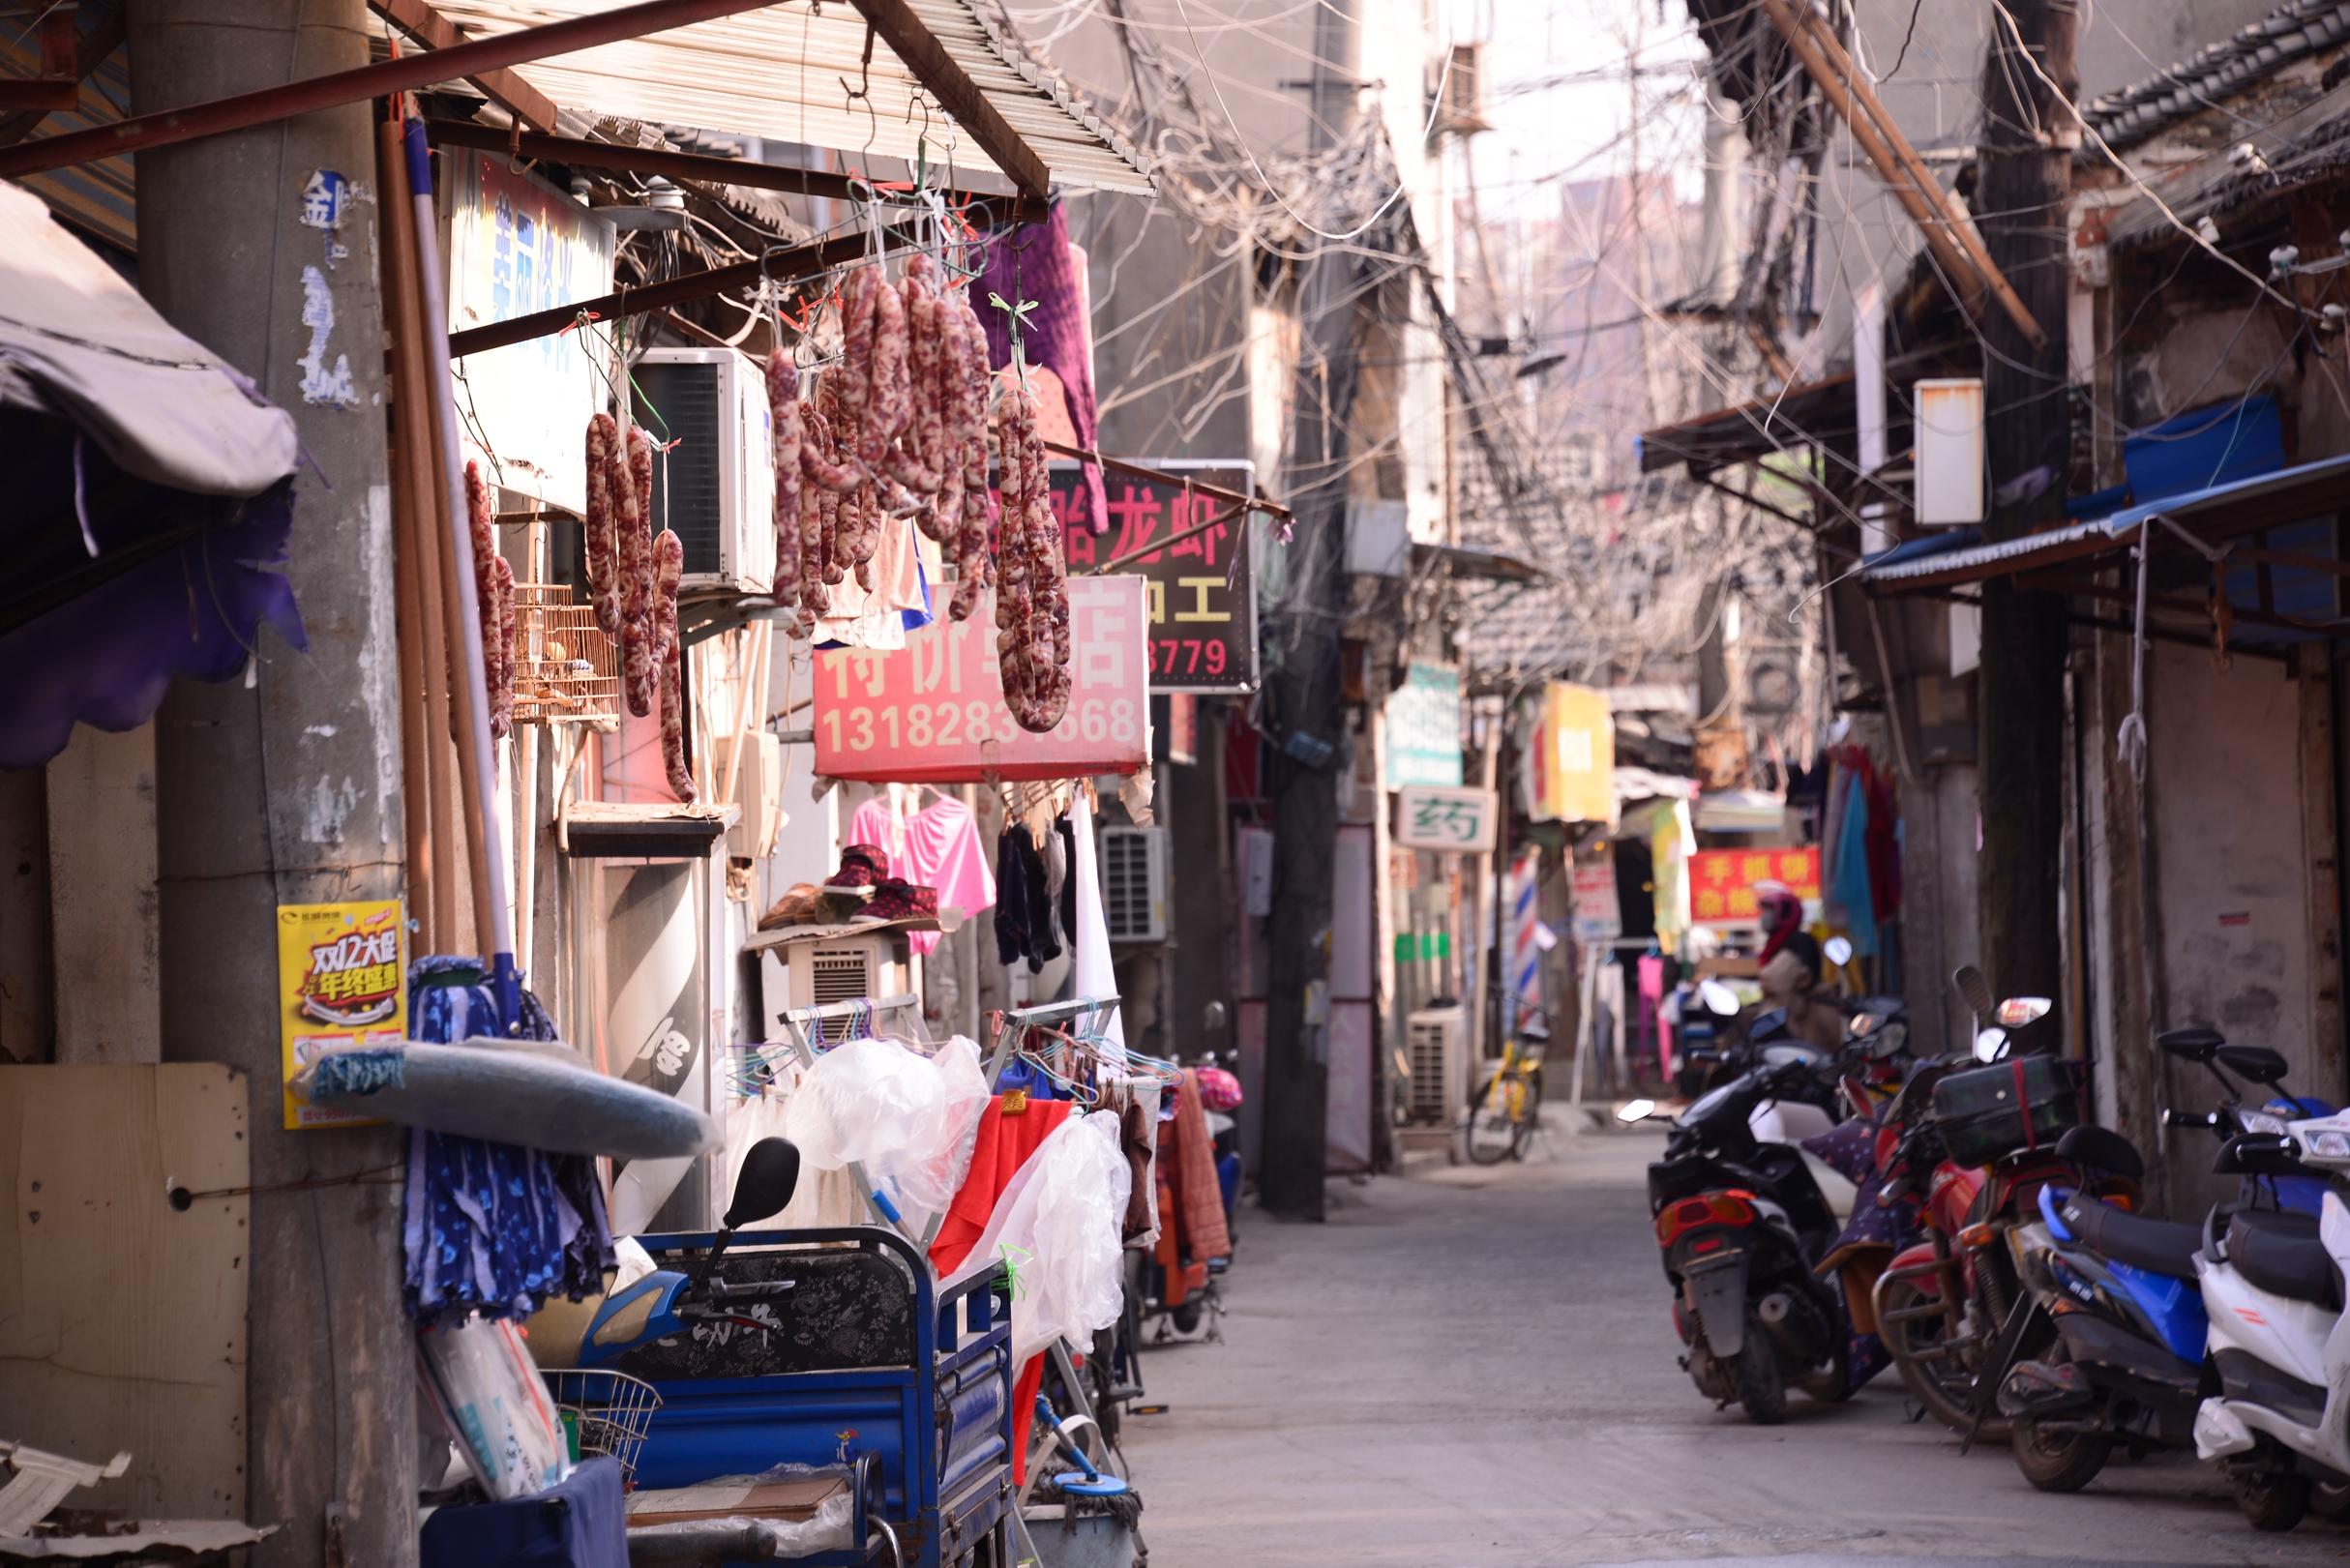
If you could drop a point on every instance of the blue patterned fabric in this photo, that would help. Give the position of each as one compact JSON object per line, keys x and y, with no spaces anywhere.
{"x":492,"y":1229}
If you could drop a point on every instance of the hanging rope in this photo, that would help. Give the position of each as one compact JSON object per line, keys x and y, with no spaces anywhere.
{"x":2129,"y":740}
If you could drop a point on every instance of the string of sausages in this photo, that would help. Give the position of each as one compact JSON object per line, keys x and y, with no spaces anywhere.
{"x":494,"y":599}
{"x":899,"y":429}
{"x":632,"y":577}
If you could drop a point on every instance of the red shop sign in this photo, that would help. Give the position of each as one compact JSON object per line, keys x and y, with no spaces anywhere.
{"x":933,"y":712}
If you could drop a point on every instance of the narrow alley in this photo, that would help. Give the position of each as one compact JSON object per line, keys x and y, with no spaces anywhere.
{"x":1474,"y":1367}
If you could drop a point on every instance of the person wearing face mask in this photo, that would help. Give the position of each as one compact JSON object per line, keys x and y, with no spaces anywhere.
{"x":1790,"y":968}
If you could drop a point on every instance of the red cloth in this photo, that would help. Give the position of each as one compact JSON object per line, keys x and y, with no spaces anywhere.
{"x":1002,"y":1147}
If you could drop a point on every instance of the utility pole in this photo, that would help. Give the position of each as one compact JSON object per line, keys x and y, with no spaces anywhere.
{"x":2028,"y":140}
{"x":1306,"y":688}
{"x":285,"y":788}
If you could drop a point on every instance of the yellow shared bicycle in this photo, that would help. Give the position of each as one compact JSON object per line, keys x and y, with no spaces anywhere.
{"x":1502,"y":1117}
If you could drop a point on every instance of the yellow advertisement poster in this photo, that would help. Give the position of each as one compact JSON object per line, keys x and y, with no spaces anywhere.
{"x":341,"y":971}
{"x":1571,"y":765}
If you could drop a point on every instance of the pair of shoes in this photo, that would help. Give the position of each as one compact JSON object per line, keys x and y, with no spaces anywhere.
{"x":896,"y":898}
{"x":863,"y":867}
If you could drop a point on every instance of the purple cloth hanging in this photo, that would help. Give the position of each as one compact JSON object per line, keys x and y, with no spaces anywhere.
{"x":1056,"y":335}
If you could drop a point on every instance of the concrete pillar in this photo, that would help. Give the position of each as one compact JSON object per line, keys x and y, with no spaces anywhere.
{"x":284,"y":787}
{"x":107,"y":984}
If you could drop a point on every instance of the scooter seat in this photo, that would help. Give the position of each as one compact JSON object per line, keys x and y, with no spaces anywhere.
{"x":2280,"y":1254}
{"x":2164,"y":1247}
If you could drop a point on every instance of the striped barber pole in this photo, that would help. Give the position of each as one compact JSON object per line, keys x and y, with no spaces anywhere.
{"x":1526,"y":946}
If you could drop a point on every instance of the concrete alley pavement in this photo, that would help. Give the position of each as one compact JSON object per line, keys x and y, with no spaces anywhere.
{"x":1468,"y":1367}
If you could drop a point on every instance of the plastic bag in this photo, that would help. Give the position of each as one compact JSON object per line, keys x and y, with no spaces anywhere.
{"x":490,"y":1396}
{"x":909,"y":1120}
{"x":727,"y":1537}
{"x":1058,"y":1222}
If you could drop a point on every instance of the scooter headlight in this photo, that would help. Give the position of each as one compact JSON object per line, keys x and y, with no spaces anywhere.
{"x":2327,"y":1144}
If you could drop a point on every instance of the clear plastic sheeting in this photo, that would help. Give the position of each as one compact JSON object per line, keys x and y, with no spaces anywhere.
{"x":907,"y":1117}
{"x":1057,"y":1224}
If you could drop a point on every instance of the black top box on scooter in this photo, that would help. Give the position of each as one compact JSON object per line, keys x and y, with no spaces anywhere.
{"x":1986,"y":1113}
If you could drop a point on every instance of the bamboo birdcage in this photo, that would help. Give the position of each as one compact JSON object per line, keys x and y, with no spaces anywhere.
{"x":567,"y":672}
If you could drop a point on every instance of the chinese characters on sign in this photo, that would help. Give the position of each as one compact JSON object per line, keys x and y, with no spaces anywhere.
{"x":517,"y":245}
{"x":1598,"y":916}
{"x":342,"y":981}
{"x":1458,"y":820}
{"x":1721,"y":881}
{"x":933,"y":712}
{"x":1203,"y":599}
{"x":1424,"y":728}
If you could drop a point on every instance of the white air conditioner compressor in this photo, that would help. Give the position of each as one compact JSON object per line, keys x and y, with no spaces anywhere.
{"x":715,"y":484}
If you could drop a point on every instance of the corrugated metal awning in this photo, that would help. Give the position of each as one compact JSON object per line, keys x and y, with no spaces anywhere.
{"x":778,"y":73}
{"x":2219,"y":512}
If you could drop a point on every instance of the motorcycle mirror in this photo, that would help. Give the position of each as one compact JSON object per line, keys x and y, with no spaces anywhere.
{"x":2017,"y":1011}
{"x":1635,"y":1111}
{"x":1991,"y":1045}
{"x":1213,"y":1017}
{"x":1973,"y":990}
{"x":1718,"y":999}
{"x":1837,"y":950}
{"x":770,"y":1175}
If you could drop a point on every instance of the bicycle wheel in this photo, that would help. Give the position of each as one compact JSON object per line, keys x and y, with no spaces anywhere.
{"x":1494,"y":1127}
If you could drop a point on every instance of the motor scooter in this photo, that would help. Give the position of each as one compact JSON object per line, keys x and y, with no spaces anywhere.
{"x":2107,"y":1347}
{"x":2280,"y":1341}
{"x":1740,"y":1223}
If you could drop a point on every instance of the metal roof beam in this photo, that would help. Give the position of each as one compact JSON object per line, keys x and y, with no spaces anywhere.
{"x":701,"y":166}
{"x":437,"y":32}
{"x":937,"y":71}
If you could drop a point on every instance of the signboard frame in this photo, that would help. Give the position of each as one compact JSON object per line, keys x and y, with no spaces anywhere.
{"x":1177,"y":597}
{"x":1426,"y":813}
{"x":1425,"y":764}
{"x":1725,"y":879}
{"x":901,"y":729}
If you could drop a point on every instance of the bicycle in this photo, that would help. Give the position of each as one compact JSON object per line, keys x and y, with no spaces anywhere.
{"x":1509,"y":1105}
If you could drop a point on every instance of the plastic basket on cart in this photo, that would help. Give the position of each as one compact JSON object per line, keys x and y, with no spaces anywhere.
{"x":2024,"y":1103}
{"x":608,"y":1412}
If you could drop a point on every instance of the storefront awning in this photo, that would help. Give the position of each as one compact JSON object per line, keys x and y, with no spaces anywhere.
{"x":2214,"y":515}
{"x":149,"y":498}
{"x":923,"y":73}
{"x":2274,"y":536}
{"x":1799,"y":416}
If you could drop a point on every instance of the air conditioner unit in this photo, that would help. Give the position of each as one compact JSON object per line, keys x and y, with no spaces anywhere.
{"x":846,"y":969}
{"x":1436,"y":1047}
{"x":1134,"y":883}
{"x":716,"y":486}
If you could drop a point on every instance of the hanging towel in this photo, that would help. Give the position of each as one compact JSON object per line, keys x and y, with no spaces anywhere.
{"x":1035,"y":262}
{"x":1092,"y":974}
{"x":1199,"y":1192}
{"x":1852,"y":884}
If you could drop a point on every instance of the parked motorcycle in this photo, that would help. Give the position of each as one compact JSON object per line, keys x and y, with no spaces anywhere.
{"x":1740,"y":1223}
{"x":1970,"y":1140}
{"x":2280,"y":1341}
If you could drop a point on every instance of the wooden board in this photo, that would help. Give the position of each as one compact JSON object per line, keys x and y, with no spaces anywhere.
{"x":122,"y":1318}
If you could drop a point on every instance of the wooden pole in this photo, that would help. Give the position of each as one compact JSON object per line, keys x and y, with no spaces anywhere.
{"x":407,"y":555}
{"x":1957,"y":269}
{"x":419,"y":460}
{"x":1960,"y":227}
{"x":2020,"y":684}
